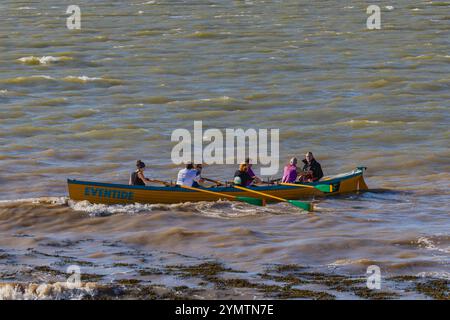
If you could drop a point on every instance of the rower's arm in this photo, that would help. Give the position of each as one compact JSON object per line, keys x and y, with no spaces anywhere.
{"x":143,"y":178}
{"x":159,"y":181}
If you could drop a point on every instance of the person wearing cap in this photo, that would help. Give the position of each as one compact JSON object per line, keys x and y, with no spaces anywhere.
{"x":290,"y":172}
{"x":188,"y":175}
{"x":312,"y":170}
{"x":251,"y":173}
{"x":138,"y":178}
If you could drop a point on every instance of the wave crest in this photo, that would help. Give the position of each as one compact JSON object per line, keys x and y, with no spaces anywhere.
{"x":44,"y":60}
{"x":34,"y":291}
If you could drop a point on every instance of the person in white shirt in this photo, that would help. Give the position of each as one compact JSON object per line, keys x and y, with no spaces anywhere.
{"x":187,"y":176}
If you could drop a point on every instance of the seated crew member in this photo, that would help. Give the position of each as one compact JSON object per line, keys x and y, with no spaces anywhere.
{"x":137,"y":178}
{"x":312,"y":170}
{"x":199,"y":168}
{"x":251,"y":173}
{"x":241,"y":176}
{"x":187,"y":176}
{"x":290,"y":171}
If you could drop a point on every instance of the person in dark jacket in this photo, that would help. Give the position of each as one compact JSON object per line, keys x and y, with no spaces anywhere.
{"x":137,"y":178}
{"x":312,"y":171}
{"x":241,"y":176}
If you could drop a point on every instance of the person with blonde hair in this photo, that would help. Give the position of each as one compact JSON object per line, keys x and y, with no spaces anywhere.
{"x":241,"y":176}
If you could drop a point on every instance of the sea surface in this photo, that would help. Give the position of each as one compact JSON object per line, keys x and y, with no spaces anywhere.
{"x":86,"y":104}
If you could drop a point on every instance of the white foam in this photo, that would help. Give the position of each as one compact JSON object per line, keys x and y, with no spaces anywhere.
{"x":435,"y":274}
{"x":430,"y":245}
{"x":43,"y":77}
{"x":83,"y":78}
{"x":45,"y":291}
{"x":51,"y":200}
{"x":103,"y":209}
{"x":42,"y":60}
{"x":142,"y":3}
{"x":364,"y":121}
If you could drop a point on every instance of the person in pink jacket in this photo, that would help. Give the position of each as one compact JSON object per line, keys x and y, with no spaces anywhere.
{"x":290,"y":171}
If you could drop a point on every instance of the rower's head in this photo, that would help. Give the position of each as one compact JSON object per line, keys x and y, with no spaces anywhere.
{"x":189,"y":165}
{"x":140,"y":165}
{"x":309,"y":156}
{"x":243,"y":167}
{"x":198,"y":167}
{"x":248,"y":162}
{"x":293,"y":161}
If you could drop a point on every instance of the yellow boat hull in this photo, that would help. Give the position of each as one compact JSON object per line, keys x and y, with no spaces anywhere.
{"x":106,"y":193}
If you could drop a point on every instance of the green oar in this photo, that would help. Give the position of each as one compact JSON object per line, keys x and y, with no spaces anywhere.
{"x":249,"y":200}
{"x":326,"y":188}
{"x":303,"y":205}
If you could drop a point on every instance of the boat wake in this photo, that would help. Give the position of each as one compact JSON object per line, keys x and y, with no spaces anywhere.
{"x":215,"y":209}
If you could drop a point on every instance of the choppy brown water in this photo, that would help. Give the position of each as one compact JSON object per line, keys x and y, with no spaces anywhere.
{"x":87,"y":104}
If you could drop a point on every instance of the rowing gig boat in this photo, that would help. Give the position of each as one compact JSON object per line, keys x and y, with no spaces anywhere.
{"x":108,"y":193}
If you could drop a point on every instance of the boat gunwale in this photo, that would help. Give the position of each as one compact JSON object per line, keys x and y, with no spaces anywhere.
{"x":354,"y":173}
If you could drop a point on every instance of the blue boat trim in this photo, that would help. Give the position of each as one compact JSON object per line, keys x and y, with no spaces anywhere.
{"x":175,"y":189}
{"x":217,"y":189}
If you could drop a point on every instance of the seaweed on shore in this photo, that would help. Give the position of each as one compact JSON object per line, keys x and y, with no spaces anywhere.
{"x":291,"y":293}
{"x":437,"y":289}
{"x":201,"y":270}
{"x":215,"y":279}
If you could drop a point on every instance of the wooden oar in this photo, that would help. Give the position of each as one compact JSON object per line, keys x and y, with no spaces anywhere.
{"x":303,"y":205}
{"x":254,"y":201}
{"x":167,"y":184}
{"x":249,"y":200}
{"x":215,"y":181}
{"x":322,"y":187}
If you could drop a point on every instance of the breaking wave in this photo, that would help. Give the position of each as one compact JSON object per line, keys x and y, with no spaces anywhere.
{"x":32,"y":60}
{"x":43,"y":79}
{"x":34,"y":291}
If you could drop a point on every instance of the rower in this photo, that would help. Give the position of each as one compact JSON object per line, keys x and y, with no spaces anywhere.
{"x":199,"y":168}
{"x":188,"y":175}
{"x":137,"y":178}
{"x":312,"y":170}
{"x":250,"y":172}
{"x":290,"y":171}
{"x":241,"y":176}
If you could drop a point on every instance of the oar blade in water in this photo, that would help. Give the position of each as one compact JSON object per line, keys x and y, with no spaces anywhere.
{"x":302,"y":205}
{"x":253,"y":201}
